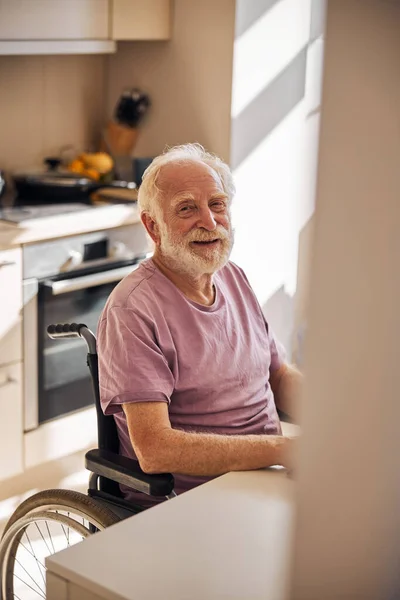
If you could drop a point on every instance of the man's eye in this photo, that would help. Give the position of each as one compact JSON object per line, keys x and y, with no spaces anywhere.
{"x":218,"y":205}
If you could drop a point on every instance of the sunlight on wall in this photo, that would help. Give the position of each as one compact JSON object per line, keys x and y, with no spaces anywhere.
{"x":275,"y":128}
{"x":265,"y":49}
{"x":264,"y":211}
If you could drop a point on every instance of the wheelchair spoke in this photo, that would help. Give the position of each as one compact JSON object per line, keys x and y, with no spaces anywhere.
{"x":31,"y":551}
{"x":41,"y":535}
{"x":38,"y":563}
{"x":51,"y":539}
{"x":65,"y":533}
{"x":41,"y":592}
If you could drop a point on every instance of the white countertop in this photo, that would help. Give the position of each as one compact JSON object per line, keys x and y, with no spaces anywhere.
{"x":93,"y":219}
{"x":229,"y":538}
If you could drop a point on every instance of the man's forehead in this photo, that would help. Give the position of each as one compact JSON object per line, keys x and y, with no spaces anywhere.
{"x":175,"y":178}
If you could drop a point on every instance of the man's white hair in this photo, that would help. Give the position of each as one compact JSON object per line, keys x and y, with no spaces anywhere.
{"x":149,"y":193}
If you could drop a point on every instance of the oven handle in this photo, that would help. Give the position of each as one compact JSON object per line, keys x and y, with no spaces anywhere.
{"x":64,"y":286}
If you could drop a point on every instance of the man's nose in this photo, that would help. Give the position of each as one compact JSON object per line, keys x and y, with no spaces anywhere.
{"x":207,"y":219}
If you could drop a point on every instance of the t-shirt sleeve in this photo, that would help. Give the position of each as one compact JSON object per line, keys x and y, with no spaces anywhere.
{"x":278,"y":354}
{"x":132,"y":367}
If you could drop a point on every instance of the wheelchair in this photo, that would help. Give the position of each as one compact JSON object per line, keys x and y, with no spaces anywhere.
{"x":52,"y":520}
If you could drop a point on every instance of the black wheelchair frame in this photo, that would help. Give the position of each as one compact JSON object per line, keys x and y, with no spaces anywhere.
{"x":107,"y":467}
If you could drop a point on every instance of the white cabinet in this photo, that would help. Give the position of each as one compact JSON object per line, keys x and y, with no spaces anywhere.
{"x":54,"y":19}
{"x":11,"y":425}
{"x":79,"y":26}
{"x":55,"y":27}
{"x":11,"y":428}
{"x":10,"y":306}
{"x":141,"y":19}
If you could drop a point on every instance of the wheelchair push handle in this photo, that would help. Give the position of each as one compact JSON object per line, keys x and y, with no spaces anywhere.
{"x":71,"y":330}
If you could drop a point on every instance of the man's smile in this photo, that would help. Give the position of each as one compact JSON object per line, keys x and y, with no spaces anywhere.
{"x":208,"y":243}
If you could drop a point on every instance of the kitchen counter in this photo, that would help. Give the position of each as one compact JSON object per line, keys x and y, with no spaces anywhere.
{"x":229,"y":538}
{"x":92,"y":219}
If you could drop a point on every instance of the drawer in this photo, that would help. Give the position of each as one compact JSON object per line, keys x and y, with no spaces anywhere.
{"x":10,"y":306}
{"x":11,"y":426}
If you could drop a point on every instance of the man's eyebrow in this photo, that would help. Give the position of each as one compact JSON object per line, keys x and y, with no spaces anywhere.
{"x":218,"y":195}
{"x":187,"y":196}
{"x":182,"y":196}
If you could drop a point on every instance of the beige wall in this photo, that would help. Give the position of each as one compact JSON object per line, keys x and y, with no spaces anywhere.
{"x":188,"y":78}
{"x":47,"y":102}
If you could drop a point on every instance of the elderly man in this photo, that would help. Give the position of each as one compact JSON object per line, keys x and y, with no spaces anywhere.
{"x":188,"y":365}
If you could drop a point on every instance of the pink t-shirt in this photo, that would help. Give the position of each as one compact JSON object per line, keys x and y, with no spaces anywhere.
{"x":211,"y":364}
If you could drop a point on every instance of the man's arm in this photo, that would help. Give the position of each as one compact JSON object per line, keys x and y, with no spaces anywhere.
{"x":286,"y":383}
{"x":161,"y":449}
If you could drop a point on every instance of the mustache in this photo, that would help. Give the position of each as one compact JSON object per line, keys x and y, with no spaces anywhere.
{"x":201,"y":235}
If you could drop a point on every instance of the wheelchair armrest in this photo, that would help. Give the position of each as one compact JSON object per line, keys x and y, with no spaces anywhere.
{"x":128,"y":472}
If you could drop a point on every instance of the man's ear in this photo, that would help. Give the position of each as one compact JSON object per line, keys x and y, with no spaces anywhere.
{"x":151,"y":227}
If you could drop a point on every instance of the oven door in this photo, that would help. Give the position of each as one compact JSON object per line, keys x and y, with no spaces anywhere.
{"x":64,"y":383}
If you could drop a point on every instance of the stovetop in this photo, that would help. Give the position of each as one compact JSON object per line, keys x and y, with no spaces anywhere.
{"x":18,"y":214}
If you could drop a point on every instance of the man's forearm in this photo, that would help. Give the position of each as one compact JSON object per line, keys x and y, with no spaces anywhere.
{"x":201,"y":454}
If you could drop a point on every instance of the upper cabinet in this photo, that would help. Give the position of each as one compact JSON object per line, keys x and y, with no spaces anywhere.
{"x":141,"y":19}
{"x":54,"y":20}
{"x":79,"y":26}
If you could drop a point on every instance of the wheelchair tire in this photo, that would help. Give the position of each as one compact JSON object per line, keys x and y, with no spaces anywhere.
{"x":48,"y":508}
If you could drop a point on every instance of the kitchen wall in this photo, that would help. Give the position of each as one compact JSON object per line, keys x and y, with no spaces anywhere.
{"x":266,"y":124}
{"x":275,"y":123}
{"x":188,"y":78}
{"x":47,"y":102}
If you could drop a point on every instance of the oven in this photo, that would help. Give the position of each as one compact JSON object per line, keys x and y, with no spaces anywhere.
{"x":69,"y":280}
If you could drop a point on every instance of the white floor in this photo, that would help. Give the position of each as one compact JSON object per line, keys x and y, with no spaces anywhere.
{"x":68,"y":473}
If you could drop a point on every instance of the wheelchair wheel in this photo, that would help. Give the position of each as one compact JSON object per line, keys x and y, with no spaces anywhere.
{"x":44,"y":524}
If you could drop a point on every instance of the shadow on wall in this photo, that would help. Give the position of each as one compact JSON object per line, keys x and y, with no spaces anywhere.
{"x":270,"y":107}
{"x":288,"y":314}
{"x":247,"y":13}
{"x":279,"y":310}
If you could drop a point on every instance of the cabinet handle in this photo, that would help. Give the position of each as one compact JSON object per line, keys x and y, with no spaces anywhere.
{"x":7,"y":263}
{"x":8,"y":381}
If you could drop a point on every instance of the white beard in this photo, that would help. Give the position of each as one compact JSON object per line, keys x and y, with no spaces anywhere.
{"x":181,"y":257}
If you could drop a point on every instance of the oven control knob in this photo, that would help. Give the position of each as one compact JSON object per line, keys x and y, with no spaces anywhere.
{"x":74,"y":259}
{"x":119,"y":250}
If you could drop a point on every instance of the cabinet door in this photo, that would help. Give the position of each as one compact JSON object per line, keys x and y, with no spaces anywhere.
{"x":10,"y":306}
{"x":141,"y":19}
{"x":54,"y":19}
{"x":11,"y":427}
